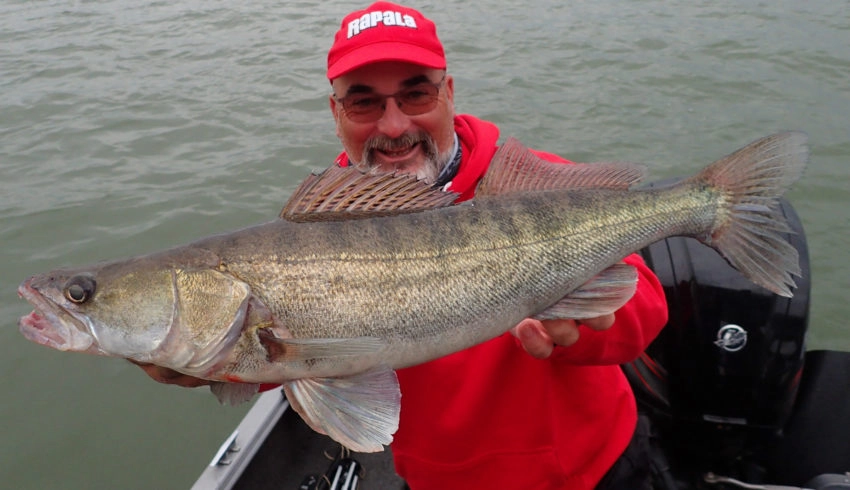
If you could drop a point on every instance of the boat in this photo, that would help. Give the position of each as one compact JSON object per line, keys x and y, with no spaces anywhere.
{"x":733,"y":397}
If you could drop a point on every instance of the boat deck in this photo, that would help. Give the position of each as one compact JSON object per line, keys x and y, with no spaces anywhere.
{"x":290,"y":456}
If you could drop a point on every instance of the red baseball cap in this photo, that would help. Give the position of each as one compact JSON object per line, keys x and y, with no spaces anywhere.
{"x":384,"y":31}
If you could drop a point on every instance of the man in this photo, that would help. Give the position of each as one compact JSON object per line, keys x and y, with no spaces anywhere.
{"x":546,"y":407}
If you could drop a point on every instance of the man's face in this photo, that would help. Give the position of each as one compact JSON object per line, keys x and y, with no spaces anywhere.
{"x":419,"y":145}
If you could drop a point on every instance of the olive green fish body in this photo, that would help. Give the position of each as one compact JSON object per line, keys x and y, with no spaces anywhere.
{"x":471,"y":272}
{"x":332,"y":299}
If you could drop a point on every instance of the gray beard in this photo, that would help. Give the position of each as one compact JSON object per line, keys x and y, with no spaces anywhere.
{"x":431,"y":166}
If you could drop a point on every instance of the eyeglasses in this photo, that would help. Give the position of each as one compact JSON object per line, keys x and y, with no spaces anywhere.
{"x":414,"y":100}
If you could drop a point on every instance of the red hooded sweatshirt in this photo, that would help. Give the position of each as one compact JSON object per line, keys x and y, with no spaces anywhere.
{"x":493,"y":417}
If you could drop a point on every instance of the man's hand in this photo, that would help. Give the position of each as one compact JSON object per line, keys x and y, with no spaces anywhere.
{"x":170,"y":376}
{"x":539,"y":337}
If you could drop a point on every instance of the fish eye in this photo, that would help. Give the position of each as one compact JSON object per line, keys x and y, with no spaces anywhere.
{"x":80,"y":289}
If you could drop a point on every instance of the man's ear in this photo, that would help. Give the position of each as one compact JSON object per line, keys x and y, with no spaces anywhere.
{"x":332,"y":104}
{"x":450,"y":91}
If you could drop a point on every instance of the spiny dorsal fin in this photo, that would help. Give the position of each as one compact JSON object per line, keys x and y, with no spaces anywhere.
{"x":343,"y":193}
{"x":516,"y":169}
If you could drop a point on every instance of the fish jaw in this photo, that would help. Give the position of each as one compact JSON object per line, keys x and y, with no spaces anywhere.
{"x":52,"y":326}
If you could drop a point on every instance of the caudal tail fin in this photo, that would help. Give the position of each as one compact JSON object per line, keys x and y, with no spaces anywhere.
{"x":749,"y":226}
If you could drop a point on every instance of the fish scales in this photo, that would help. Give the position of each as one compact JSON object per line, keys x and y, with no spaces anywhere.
{"x":331,"y":299}
{"x":372,"y":279}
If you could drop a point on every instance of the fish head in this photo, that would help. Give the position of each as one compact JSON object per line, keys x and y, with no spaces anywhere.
{"x":173,"y":315}
{"x":55,"y":322}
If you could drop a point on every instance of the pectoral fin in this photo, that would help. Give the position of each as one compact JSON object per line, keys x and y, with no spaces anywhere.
{"x":360,"y":412}
{"x":606,"y":293}
{"x":299,"y":350}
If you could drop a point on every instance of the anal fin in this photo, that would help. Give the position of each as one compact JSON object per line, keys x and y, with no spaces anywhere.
{"x":605,"y":293}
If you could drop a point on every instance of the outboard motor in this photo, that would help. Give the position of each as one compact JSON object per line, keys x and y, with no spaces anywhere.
{"x":720,"y":381}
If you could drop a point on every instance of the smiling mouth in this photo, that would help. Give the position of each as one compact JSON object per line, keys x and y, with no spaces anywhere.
{"x":397,"y":152}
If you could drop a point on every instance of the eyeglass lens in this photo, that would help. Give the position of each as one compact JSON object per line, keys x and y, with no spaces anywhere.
{"x":414,"y":100}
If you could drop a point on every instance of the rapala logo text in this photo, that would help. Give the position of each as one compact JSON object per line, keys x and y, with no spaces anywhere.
{"x":374,"y":19}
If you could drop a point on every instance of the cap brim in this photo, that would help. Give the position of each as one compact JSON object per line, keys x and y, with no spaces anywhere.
{"x":385,"y":51}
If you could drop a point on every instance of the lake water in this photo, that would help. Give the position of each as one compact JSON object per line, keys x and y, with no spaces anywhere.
{"x":126,"y":127}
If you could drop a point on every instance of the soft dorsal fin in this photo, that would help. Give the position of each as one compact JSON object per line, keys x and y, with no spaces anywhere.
{"x":343,"y":193}
{"x":515,"y":168}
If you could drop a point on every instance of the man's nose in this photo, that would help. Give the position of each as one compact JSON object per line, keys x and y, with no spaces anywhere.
{"x":393,"y":123}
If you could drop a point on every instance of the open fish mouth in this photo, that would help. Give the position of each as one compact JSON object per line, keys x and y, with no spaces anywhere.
{"x":51,"y":325}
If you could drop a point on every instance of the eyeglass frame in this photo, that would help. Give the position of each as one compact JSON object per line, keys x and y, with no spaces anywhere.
{"x":383,"y":99}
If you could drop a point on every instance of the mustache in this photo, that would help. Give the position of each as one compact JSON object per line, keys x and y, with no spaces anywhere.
{"x":384,"y":143}
{"x":430,"y":167}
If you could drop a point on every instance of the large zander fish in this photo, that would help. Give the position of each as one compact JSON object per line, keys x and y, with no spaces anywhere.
{"x":359,"y":279}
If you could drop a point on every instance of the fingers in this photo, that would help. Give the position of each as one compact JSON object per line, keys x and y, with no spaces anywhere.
{"x":534,"y":338}
{"x":539,"y":338}
{"x":600,"y":322}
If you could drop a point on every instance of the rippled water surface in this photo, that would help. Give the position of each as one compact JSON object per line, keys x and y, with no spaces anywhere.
{"x":126,"y":127}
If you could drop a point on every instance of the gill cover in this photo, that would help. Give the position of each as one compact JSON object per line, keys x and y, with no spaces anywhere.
{"x":176,"y":318}
{"x":210,"y":311}
{"x":129,"y":315}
